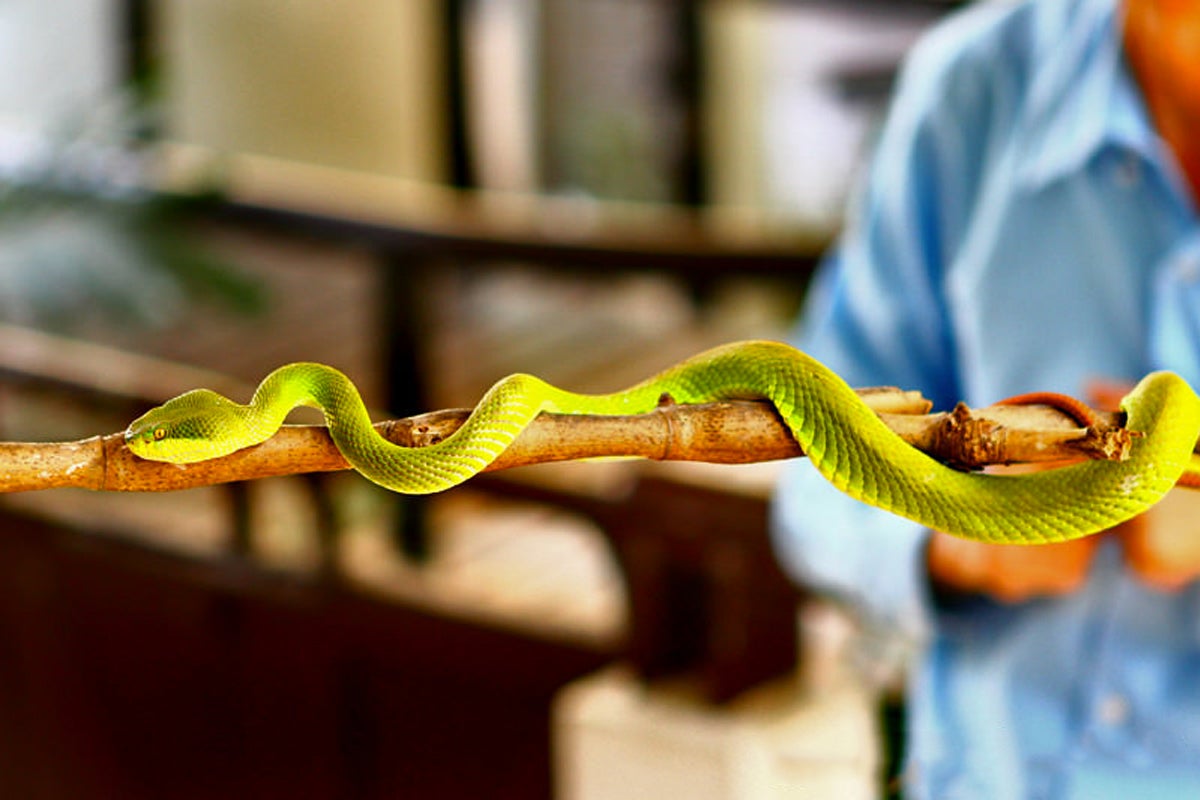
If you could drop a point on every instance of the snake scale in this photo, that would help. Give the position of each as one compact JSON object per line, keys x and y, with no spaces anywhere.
{"x":843,"y":438}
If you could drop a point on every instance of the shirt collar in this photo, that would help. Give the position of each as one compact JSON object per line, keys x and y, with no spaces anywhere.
{"x":1084,"y":98}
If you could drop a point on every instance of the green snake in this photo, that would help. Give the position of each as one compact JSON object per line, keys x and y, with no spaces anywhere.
{"x":842,"y":437}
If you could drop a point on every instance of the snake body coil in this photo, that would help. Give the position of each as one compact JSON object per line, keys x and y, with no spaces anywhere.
{"x":843,"y":438}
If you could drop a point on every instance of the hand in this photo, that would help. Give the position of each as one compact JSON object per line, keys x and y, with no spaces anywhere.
{"x":1161,"y":547}
{"x":1011,"y":573}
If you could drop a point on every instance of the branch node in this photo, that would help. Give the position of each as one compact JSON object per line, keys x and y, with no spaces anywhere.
{"x":1102,"y":441}
{"x":671,"y":440}
{"x":964,"y":441}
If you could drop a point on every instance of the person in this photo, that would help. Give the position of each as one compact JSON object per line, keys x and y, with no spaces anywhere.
{"x":1028,"y":222}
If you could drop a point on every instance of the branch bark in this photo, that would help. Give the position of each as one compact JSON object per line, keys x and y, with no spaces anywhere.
{"x":724,"y":433}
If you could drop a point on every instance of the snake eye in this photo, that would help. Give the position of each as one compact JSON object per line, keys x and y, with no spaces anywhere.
{"x":160,"y":434}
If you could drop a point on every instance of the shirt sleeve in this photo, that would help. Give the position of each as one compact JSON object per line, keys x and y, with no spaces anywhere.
{"x":876,"y":315}
{"x":1175,"y":312}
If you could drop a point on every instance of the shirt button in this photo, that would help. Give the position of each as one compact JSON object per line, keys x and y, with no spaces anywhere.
{"x":1112,"y":710}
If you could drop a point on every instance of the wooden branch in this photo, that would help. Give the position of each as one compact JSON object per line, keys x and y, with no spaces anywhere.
{"x":725,"y":433}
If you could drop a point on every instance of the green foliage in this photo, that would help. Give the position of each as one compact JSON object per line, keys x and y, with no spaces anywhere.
{"x":82,"y":237}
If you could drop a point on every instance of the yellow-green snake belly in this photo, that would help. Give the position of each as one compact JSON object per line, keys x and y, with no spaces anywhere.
{"x":842,"y":437}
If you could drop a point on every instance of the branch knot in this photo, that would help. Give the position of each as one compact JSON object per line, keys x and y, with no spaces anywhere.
{"x":965,"y":441}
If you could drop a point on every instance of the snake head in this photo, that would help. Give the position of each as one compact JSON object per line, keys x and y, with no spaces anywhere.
{"x":195,"y":426}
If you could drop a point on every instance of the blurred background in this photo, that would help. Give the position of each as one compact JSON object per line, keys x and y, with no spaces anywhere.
{"x":428,"y":194}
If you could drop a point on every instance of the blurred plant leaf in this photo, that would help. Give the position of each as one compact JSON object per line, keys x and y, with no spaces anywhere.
{"x":81,"y":238}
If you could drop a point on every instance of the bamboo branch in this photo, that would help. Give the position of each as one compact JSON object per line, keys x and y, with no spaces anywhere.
{"x":724,"y":433}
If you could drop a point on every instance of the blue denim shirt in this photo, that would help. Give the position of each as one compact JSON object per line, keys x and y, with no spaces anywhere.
{"x":1021,"y":228}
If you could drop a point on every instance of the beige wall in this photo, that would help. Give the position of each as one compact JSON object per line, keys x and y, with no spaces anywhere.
{"x":353,"y":85}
